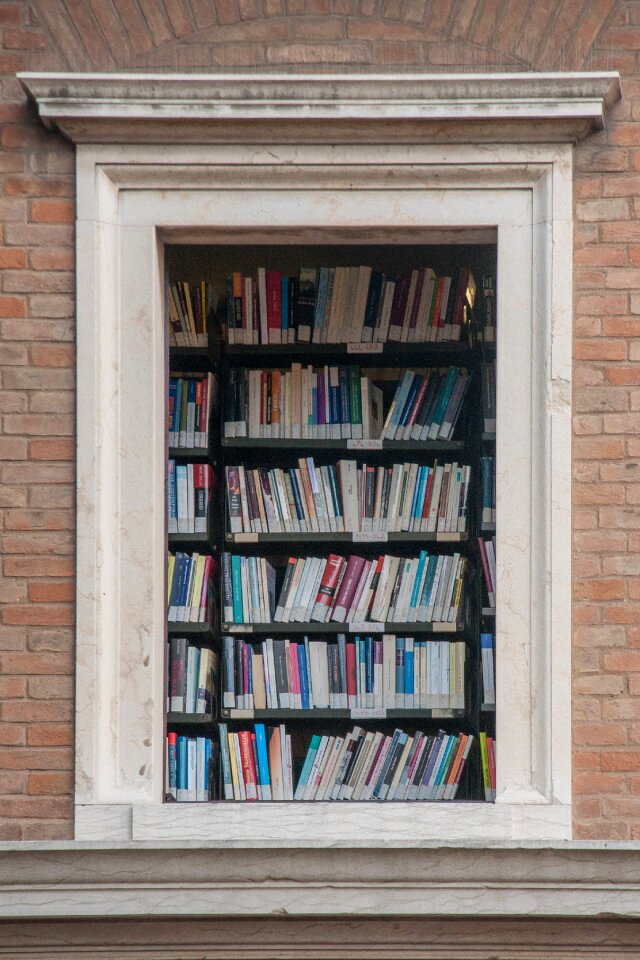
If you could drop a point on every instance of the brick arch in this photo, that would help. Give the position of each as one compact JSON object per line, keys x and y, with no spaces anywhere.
{"x":349,"y":34}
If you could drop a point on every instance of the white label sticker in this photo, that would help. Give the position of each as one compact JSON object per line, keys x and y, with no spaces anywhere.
{"x":362,"y":536}
{"x":363,"y":626}
{"x":364,"y":444}
{"x":366,"y":713}
{"x":364,"y":347}
{"x":245,"y":537}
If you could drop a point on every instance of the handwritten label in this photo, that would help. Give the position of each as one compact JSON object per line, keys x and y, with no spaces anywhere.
{"x":364,"y":444}
{"x":363,"y":626}
{"x":364,"y":347}
{"x":362,"y":536}
{"x":368,"y":713}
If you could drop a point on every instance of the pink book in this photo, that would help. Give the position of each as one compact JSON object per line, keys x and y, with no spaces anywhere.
{"x":295,"y":675}
{"x":348,"y":587}
{"x":355,"y":603}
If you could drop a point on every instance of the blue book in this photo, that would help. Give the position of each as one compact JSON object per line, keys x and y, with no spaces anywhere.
{"x":342,"y":671}
{"x":428,"y":581}
{"x":421,"y":486}
{"x":445,"y":764}
{"x":304,"y":676}
{"x":172,"y":498}
{"x":189,"y":440}
{"x":306,"y":769}
{"x":345,"y":408}
{"x":236,"y":585}
{"x":313,"y":416}
{"x":174,"y":592}
{"x":428,"y":770}
{"x":263,"y":761}
{"x":397,"y":405}
{"x":172,"y":758}
{"x":387,"y":761}
{"x":400,"y":672}
{"x":176,"y":412}
{"x":371,"y":309}
{"x":486,"y":478}
{"x":227,"y":588}
{"x":442,"y":401}
{"x":284,"y":312}
{"x":173,"y":408}
{"x":185,"y":576}
{"x":225,"y":761}
{"x":334,"y":397}
{"x":368,"y":648}
{"x":307,"y":661}
{"x":408,"y":401}
{"x":408,"y":672}
{"x":422,"y":560}
{"x":182,"y":780}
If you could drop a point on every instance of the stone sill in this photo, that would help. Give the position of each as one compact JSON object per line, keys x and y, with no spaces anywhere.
{"x":83,"y":879}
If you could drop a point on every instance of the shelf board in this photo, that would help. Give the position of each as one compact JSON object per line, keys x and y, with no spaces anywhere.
{"x":189,"y":453}
{"x":360,"y":353}
{"x":330,"y":537}
{"x":188,"y":538}
{"x":419,"y":446}
{"x":190,"y":719}
{"x":488,"y":527}
{"x":366,"y":628}
{"x":329,"y":714}
{"x":488,"y":707}
{"x":489,"y":436}
{"x":488,"y":611}
{"x":175,"y":628}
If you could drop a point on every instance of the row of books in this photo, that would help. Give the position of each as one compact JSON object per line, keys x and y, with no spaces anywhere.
{"x":190,"y":588}
{"x":487,"y":655}
{"x":347,"y":305}
{"x":189,"y":488}
{"x":191,"y":768}
{"x":191,"y":401}
{"x":487,"y":551}
{"x":353,"y":589}
{"x":488,"y":761}
{"x":426,"y":405}
{"x":347,"y":497}
{"x":340,"y":402}
{"x":192,"y":673}
{"x":488,"y":381}
{"x":330,"y":402}
{"x":188,"y":307}
{"x":488,"y":489}
{"x":256,"y":764}
{"x":363,"y":673}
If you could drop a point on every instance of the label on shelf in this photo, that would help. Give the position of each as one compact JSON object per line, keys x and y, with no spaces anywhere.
{"x":244,"y":537}
{"x":364,"y":444}
{"x":363,"y":626}
{"x":368,"y":713}
{"x":368,"y":536}
{"x":442,"y":714}
{"x":238,"y":627}
{"x":236,"y":714}
{"x":364,"y":347}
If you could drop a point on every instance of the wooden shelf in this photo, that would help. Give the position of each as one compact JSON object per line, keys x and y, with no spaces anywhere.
{"x":330,"y":537}
{"x":366,"y":628}
{"x":363,"y":354}
{"x":358,"y":714}
{"x":190,"y":719}
{"x":386,"y":446}
{"x":175,"y":628}
{"x":189,"y":453}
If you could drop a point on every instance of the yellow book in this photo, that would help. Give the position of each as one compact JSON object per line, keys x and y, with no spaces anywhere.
{"x":192,"y":322}
{"x":172,"y":563}
{"x":234,"y":767}
{"x":484,"y":757}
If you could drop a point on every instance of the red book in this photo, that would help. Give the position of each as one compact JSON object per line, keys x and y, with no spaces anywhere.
{"x":427,"y":492}
{"x":435,"y":318}
{"x":274,"y":306}
{"x":202,"y":426}
{"x":373,"y":586}
{"x":398,"y":306}
{"x":486,"y":571}
{"x":295,"y":674}
{"x":491,"y":750}
{"x":415,"y":306}
{"x":415,"y":406}
{"x":328,"y":587}
{"x":348,"y":587}
{"x":263,"y":400}
{"x":248,"y":765}
{"x":352,"y":687}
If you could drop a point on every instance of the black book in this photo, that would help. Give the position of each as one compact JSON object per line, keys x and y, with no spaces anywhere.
{"x":177,"y":673}
{"x":282,"y":680}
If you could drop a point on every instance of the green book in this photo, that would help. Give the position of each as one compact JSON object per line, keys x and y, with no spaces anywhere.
{"x":355,"y":402}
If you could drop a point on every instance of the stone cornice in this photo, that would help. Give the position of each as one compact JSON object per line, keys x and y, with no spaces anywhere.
{"x":130,"y":108}
{"x":73,"y":879}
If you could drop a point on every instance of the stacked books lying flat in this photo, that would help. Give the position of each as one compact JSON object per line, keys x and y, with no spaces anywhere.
{"x":191,"y":401}
{"x":364,"y":673}
{"x":340,"y":402}
{"x":190,"y":587}
{"x":488,"y":489}
{"x":347,"y":497}
{"x":188,"y":497}
{"x":336,"y":402}
{"x":191,"y":768}
{"x":191,"y":677}
{"x":488,"y":669}
{"x":358,"y":766}
{"x":188,"y":307}
{"x":488,"y":760}
{"x":487,"y":550}
{"x":488,"y":378}
{"x":348,"y":305}
{"x":352,"y":589}
{"x":256,"y":764}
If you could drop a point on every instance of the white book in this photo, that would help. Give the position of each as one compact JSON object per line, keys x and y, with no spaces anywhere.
{"x":319,"y":673}
{"x":297,"y":599}
{"x":191,"y":499}
{"x":310,"y":590}
{"x":182,"y":497}
{"x":359,"y":604}
{"x":330,"y":768}
{"x":324,"y":486}
{"x":443,"y":587}
{"x":384,"y":590}
{"x":432,"y":520}
{"x":429,"y":616}
{"x":389,"y":670}
{"x":193,"y":666}
{"x":360,"y":769}
{"x":404,"y":595}
{"x":320,"y":760}
{"x":348,"y":479}
{"x":312,"y":593}
{"x":293,"y":591}
{"x":393,"y":513}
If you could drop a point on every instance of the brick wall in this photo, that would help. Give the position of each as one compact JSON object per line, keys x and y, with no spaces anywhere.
{"x":37,"y":334}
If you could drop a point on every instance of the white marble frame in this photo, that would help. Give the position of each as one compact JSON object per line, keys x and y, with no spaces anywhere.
{"x":131,"y":199}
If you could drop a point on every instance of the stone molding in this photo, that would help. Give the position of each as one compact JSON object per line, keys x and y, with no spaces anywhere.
{"x":108,"y":880}
{"x":125,"y":108}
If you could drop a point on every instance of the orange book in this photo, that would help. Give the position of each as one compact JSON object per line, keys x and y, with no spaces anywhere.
{"x":248,"y":765}
{"x":275,"y":765}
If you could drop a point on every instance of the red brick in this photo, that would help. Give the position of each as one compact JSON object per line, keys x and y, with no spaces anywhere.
{"x":38,"y":567}
{"x":37,"y":711}
{"x":599,"y":589}
{"x":12,"y":735}
{"x":12,"y":258}
{"x":42,"y":614}
{"x":14,"y":39}
{"x":56,"y":258}
{"x":12,"y":306}
{"x":600,"y":349}
{"x":29,"y":758}
{"x":599,"y":734}
{"x":39,"y":520}
{"x":36,"y":807}
{"x":12,"y":781}
{"x":598,"y":493}
{"x":51,"y":592}
{"x":53,"y":354}
{"x":52,"y":449}
{"x":34,"y":663}
{"x":12,"y":12}
{"x":602,"y":783}
{"x":46,"y":424}
{"x":52,"y":211}
{"x":50,"y":735}
{"x":10,"y":688}
{"x":50,"y":784}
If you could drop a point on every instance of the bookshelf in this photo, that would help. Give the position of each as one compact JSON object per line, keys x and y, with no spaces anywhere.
{"x":384,"y":364}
